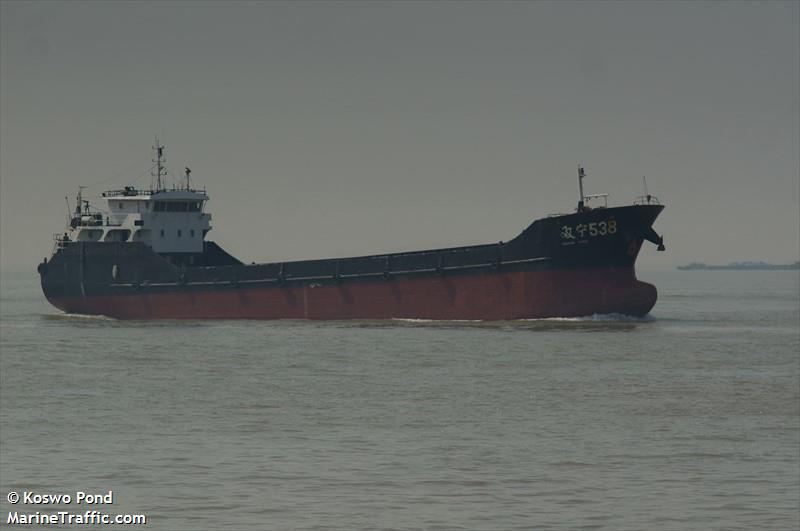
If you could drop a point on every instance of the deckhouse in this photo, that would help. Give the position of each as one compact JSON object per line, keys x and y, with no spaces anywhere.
{"x":170,"y":220}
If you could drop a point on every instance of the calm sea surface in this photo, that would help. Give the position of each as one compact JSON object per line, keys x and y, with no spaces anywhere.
{"x":688,"y":419}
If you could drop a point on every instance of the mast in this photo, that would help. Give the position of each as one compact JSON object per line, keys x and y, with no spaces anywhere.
{"x":82,"y":205}
{"x":160,"y":170}
{"x":581,"y":175}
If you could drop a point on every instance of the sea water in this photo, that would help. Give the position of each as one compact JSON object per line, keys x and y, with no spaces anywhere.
{"x":685,"y":419}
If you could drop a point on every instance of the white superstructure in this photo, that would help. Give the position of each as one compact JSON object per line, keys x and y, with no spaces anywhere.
{"x":168,"y":220}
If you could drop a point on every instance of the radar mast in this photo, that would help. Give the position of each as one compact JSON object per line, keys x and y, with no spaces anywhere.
{"x":159,"y":171}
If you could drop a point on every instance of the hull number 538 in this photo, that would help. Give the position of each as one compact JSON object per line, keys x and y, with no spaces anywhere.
{"x":583,"y":230}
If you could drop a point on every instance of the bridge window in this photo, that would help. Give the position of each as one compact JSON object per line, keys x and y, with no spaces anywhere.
{"x":162,"y":233}
{"x":177,"y":206}
{"x":179,"y":233}
{"x":183,"y":206}
{"x":191,"y":233}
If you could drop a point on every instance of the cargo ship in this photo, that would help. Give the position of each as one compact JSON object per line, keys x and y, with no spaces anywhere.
{"x":147,"y":256}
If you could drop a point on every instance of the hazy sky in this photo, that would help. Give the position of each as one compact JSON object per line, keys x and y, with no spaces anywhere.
{"x":333,"y":129}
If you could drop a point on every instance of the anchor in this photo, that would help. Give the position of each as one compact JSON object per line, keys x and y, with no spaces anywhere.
{"x":651,"y":236}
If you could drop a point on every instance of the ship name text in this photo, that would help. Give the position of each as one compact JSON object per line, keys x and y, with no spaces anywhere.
{"x":581,"y":231}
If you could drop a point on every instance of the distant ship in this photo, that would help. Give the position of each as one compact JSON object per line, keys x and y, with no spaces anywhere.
{"x":147,"y":257}
{"x":741,"y":266}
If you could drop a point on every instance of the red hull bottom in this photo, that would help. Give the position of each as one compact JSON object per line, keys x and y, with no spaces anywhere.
{"x":496,"y":296}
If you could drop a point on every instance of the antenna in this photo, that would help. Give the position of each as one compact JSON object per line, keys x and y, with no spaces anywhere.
{"x":188,"y":172}
{"x":646,"y":195}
